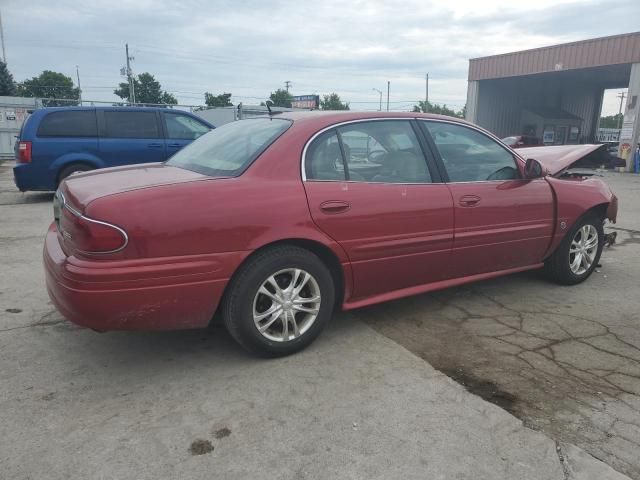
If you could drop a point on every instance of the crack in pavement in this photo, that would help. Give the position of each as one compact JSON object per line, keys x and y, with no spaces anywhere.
{"x":570,"y":375}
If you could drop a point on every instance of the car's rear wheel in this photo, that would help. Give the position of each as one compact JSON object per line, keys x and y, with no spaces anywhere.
{"x":579,"y":253}
{"x":279,"y":301}
{"x":71,"y":169}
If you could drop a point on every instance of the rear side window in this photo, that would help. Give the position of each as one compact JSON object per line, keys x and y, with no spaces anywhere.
{"x":324,"y":158}
{"x":79,"y":123}
{"x":131,"y":125}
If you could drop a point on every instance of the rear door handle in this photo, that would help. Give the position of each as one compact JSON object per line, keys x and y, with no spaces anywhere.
{"x":469,"y":200}
{"x":154,"y":145}
{"x":174,"y":145}
{"x":334,"y":206}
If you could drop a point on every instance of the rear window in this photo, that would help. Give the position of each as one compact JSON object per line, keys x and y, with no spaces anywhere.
{"x":131,"y":125}
{"x":228,"y":150}
{"x":69,"y":124}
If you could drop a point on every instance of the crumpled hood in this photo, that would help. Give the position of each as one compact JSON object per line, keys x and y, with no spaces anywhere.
{"x":558,"y":158}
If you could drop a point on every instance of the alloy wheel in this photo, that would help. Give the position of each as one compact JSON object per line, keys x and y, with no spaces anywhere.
{"x":286,"y":305}
{"x":583,"y":249}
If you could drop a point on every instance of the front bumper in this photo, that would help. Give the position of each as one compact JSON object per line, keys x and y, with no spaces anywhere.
{"x":157,"y":294}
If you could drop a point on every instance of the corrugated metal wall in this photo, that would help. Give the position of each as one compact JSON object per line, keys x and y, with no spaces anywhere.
{"x":595,"y":52}
{"x":501,"y":102}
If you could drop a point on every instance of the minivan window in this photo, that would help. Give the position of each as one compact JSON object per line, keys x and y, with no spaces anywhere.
{"x":228,"y":150}
{"x":182,"y":127}
{"x":122,"y":124}
{"x":74,"y":123}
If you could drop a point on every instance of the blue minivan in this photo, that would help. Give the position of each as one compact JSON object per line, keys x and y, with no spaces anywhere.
{"x":56,"y":142}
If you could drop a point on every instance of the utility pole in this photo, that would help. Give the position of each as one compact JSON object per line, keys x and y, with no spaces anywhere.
{"x":426,"y":93}
{"x":79,"y":87}
{"x":4,"y":56}
{"x":621,"y":96}
{"x":287,"y":84}
{"x":388,"y":89}
{"x":380,"y":92}
{"x":132,"y":92}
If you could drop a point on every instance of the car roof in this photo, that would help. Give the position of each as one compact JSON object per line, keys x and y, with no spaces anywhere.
{"x":323,"y":118}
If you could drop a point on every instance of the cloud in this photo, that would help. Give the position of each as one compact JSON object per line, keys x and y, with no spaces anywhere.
{"x":250,"y":48}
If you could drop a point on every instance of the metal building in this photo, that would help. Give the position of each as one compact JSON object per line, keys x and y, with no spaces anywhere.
{"x":13,"y":111}
{"x":555,"y":93}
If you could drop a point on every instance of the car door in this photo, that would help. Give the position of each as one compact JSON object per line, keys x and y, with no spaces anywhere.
{"x":130,"y":136}
{"x":502,"y":221}
{"x":180,"y":130}
{"x":384,"y":204}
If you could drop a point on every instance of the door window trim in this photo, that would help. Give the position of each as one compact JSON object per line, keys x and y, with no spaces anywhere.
{"x":434,"y":171}
{"x":518,"y":160}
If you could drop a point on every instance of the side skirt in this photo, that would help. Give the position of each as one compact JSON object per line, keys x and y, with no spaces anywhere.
{"x":430,"y":287}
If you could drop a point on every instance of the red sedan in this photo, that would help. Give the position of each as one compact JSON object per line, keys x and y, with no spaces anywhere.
{"x":275,"y":222}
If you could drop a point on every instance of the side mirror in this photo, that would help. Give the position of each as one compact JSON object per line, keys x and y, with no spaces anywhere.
{"x":533,"y":169}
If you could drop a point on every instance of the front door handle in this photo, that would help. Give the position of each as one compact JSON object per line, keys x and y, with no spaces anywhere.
{"x":174,"y":145}
{"x":469,"y":200}
{"x":334,"y":206}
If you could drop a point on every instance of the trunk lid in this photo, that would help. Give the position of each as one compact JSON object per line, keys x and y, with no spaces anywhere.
{"x":81,"y":189}
{"x":558,"y":158}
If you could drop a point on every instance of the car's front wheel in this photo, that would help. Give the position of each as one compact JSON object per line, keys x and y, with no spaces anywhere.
{"x":579,"y":253}
{"x":279,"y":301}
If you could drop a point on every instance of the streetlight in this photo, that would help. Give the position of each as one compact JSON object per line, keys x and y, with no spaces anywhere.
{"x":380,"y":92}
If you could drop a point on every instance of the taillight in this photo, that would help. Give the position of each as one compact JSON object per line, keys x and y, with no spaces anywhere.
{"x":89,"y":235}
{"x":24,"y":152}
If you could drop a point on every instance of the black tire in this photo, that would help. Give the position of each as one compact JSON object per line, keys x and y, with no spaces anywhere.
{"x":73,"y":168}
{"x":558,"y":266}
{"x":238,"y":303}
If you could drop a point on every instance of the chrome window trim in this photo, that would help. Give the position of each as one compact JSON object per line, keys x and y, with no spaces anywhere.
{"x":64,"y":205}
{"x":340,"y":124}
{"x":303,"y":172}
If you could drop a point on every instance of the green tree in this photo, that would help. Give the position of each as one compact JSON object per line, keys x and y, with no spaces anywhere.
{"x":147,"y":90}
{"x":281,"y":98}
{"x":611,"y":121}
{"x":222,"y":100}
{"x":7,"y":85}
{"x":333,"y":102}
{"x":428,"y":107}
{"x":49,"y":86}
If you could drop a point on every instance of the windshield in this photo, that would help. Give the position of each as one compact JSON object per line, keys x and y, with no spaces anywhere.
{"x":228,"y":150}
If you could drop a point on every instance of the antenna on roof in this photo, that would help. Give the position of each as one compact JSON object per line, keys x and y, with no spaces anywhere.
{"x":268,"y":104}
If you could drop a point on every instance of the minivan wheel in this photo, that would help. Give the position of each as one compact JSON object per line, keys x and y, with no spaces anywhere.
{"x":279,"y":301}
{"x":579,"y":252}
{"x":71,"y":169}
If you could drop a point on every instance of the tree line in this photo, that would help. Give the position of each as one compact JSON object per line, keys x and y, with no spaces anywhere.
{"x":58,"y":89}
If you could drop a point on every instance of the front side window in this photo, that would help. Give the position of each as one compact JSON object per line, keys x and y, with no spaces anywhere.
{"x":182,"y":127}
{"x":385,"y":151}
{"x":228,"y":150}
{"x":121,"y":124}
{"x":470,"y":156}
{"x":78,"y":123}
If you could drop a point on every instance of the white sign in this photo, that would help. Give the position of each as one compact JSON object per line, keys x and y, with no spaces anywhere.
{"x":627,"y":129}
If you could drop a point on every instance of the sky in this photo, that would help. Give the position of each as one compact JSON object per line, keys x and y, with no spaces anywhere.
{"x":250,"y":48}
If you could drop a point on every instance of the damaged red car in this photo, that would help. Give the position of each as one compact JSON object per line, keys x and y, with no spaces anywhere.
{"x":275,"y":222}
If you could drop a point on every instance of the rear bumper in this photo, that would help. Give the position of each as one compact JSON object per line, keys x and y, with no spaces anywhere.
{"x":156,"y":294}
{"x":28,"y":178}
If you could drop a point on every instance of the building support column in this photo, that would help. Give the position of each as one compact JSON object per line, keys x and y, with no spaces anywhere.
{"x":630,"y":133}
{"x":473,"y":93}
